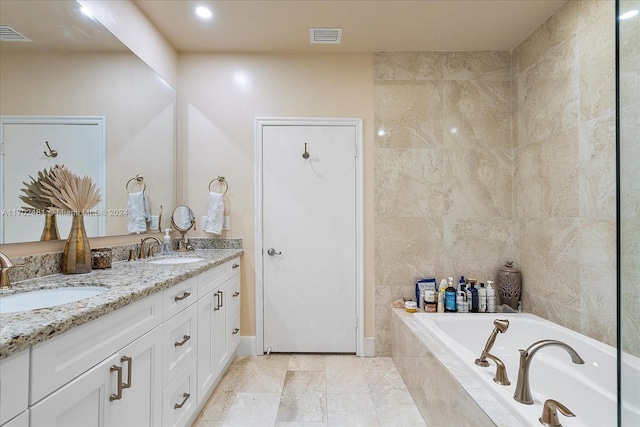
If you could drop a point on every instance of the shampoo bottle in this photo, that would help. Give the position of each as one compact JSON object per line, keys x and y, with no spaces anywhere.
{"x":482,"y":299}
{"x":473,"y":303}
{"x":450,"y":297}
{"x":491,"y":297}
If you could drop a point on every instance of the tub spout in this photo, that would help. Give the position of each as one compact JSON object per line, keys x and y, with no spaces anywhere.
{"x":501,"y":372}
{"x":523,"y":391}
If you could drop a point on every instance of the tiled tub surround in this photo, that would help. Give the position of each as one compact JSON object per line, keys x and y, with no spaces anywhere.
{"x":453,"y":342}
{"x":481,"y":157}
{"x":128,"y":282}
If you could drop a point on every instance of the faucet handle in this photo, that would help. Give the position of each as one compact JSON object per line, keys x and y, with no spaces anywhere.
{"x":549,"y":416}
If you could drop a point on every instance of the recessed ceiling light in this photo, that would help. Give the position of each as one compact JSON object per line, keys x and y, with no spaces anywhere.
{"x":629,"y":14}
{"x":203,"y":12}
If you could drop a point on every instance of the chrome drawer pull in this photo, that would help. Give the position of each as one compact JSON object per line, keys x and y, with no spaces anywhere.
{"x":235,"y":294}
{"x":129,"y":361}
{"x":184,"y":295}
{"x":235,"y":331}
{"x":181,"y":343}
{"x":186,"y":397}
{"x":118,"y":395}
{"x":221,"y":298}
{"x":217,"y":307}
{"x":235,"y":266}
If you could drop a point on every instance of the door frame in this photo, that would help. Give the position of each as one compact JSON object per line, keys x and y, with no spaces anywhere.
{"x":262,"y":122}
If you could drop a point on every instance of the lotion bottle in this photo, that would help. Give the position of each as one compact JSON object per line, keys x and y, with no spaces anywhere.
{"x":167,"y":248}
{"x":491,"y":297}
{"x":482,"y":299}
{"x":441,"y":302}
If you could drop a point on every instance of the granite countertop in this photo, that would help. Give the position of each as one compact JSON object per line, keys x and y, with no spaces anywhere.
{"x":128,"y":282}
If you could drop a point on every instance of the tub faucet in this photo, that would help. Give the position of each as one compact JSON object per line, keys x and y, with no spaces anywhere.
{"x":501,"y":325}
{"x":142,"y":254}
{"x":549,"y":416}
{"x":523,"y":391}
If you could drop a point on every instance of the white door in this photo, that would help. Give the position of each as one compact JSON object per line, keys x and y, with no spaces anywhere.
{"x":78,"y":144}
{"x":309,"y":238}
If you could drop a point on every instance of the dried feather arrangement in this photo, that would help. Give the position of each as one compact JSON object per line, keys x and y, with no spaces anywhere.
{"x":36,"y":194}
{"x":70,"y":192}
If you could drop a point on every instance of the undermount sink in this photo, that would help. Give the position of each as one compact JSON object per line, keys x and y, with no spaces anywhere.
{"x":46,"y":298}
{"x":183,"y":260}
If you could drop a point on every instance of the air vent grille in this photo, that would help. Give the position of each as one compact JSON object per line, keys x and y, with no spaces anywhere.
{"x":8,"y":34}
{"x":325,"y":35}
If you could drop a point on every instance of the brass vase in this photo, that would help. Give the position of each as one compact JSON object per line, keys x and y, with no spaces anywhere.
{"x":50,"y":230}
{"x":76,"y":257}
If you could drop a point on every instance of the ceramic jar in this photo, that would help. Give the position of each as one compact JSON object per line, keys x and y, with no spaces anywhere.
{"x":509,"y":285}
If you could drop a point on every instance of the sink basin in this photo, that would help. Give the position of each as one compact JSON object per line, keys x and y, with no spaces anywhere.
{"x":184,"y":260}
{"x":45,"y":298}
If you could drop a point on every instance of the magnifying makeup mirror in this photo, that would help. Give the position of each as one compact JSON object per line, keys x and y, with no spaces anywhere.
{"x":183,"y":219}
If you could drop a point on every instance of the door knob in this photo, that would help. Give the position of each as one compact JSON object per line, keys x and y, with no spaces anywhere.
{"x":272,"y":252}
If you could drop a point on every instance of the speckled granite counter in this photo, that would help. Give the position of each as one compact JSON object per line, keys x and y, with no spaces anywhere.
{"x":128,"y":282}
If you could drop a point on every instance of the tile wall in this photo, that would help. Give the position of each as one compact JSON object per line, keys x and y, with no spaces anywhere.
{"x":483,"y":157}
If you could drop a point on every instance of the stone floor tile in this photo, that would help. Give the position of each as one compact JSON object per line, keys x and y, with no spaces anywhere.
{"x":253,"y":410}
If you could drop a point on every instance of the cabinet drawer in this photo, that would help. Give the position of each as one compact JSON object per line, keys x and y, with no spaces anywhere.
{"x":178,"y":297}
{"x":233,"y":294}
{"x":14,"y":385}
{"x":179,"y":398}
{"x":179,"y":343}
{"x":233,"y":331}
{"x":61,"y":359}
{"x":211,"y":279}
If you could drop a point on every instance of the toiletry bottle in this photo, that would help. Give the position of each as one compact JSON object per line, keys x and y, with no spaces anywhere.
{"x":461,"y":282}
{"x":167,"y":248}
{"x":450,"y":297}
{"x":482,"y":299}
{"x":430,"y":302}
{"x":443,"y":285}
{"x":469,"y":294}
{"x":491,"y":297}
{"x":460,"y":300}
{"x":473,"y":304}
{"x":440,"y":302}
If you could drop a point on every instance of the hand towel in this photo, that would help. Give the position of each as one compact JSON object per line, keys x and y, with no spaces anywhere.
{"x":215,"y":214}
{"x":137,"y":213}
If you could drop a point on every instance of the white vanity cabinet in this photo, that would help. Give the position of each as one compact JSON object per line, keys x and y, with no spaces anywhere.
{"x":14,"y":387}
{"x":218,"y":318}
{"x":77,"y":379}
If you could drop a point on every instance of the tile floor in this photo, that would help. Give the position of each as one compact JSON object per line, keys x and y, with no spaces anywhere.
{"x":310,"y":390}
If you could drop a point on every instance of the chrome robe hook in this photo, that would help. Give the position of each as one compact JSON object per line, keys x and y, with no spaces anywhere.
{"x":305,"y":155}
{"x":51,"y":153}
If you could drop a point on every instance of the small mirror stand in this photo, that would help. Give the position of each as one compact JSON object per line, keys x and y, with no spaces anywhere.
{"x":187,"y":219}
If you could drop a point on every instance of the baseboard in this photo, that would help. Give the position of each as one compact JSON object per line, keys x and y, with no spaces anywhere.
{"x":247,"y":346}
{"x":369,"y":347}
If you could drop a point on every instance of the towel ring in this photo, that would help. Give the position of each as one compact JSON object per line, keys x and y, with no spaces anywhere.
{"x":136,"y":178}
{"x":221,"y":180}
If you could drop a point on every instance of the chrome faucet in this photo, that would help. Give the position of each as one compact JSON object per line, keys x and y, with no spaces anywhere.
{"x":142,"y":254}
{"x":523,"y":391}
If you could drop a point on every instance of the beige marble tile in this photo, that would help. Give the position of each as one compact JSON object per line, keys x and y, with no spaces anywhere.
{"x":301,"y":424}
{"x":546,"y":177}
{"x":629,"y":56}
{"x":597,"y":58}
{"x":552,"y":310}
{"x":381,"y":371}
{"x":488,"y":65}
{"x":345,"y":375}
{"x":551,"y":248}
{"x":351,"y":410}
{"x":548,"y":94}
{"x":306,"y":362}
{"x":408,"y":114}
{"x":208,"y":423}
{"x":338,"y":362}
{"x":408,"y":182}
{"x":598,"y":279}
{"x":629,"y":160}
{"x":395,"y":406}
{"x":598,"y":168}
{"x":477,"y":114}
{"x":408,"y":65}
{"x":222,"y":398}
{"x":253,"y":409}
{"x":557,"y":29}
{"x":630,"y":275}
{"x":477,"y":184}
{"x":303,"y":397}
{"x":478,"y":247}
{"x":266,"y":374}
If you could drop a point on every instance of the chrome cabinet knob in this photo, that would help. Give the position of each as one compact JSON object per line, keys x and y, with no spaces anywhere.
{"x":272,"y":252}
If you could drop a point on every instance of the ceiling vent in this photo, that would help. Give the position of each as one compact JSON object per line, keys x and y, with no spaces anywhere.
{"x":8,"y":34}
{"x":325,"y":35}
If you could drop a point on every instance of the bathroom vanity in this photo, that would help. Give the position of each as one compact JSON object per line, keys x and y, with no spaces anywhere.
{"x":148,"y":351}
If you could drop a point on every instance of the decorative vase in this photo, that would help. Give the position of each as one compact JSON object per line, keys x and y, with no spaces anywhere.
{"x":509,"y":285}
{"x":76,"y":257}
{"x":50,"y":230}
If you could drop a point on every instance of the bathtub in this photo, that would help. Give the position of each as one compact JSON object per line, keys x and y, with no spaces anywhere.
{"x":589,"y":390}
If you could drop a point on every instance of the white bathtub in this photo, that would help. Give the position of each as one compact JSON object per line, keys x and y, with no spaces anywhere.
{"x":589,"y":390}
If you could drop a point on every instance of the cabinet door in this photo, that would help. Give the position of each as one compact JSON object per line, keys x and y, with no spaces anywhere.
{"x":82,"y":402}
{"x":14,"y":389}
{"x":21,"y":420}
{"x":232,"y":314}
{"x":206,"y":345}
{"x":221,"y":354}
{"x":141,"y":400}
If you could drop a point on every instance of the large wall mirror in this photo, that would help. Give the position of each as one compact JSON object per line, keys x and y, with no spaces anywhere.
{"x":73,"y":72}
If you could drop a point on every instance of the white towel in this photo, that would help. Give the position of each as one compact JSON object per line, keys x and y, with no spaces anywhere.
{"x":137,"y":213}
{"x":215,"y":214}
